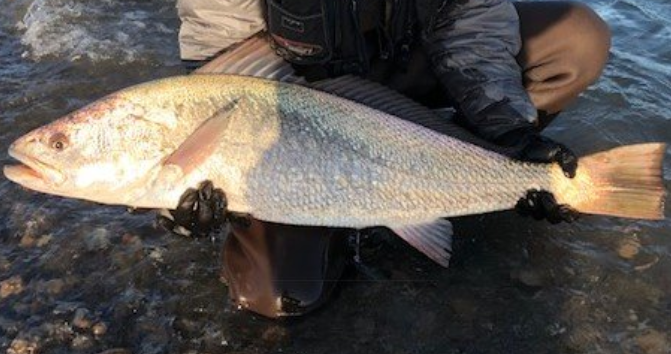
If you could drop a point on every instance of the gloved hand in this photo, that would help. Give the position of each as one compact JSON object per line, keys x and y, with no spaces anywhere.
{"x":200,"y":212}
{"x":533,"y":147}
{"x":543,"y":205}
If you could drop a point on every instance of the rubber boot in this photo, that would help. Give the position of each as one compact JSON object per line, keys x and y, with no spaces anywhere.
{"x":279,"y":270}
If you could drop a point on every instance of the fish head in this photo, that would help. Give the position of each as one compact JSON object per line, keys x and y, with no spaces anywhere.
{"x":99,"y":153}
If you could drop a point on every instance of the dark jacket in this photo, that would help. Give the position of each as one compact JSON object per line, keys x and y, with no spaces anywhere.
{"x":471,"y":44}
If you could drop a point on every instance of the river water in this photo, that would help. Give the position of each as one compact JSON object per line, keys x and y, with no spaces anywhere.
{"x":77,"y":277}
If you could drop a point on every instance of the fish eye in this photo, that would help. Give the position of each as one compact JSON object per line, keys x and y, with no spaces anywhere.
{"x":58,"y":141}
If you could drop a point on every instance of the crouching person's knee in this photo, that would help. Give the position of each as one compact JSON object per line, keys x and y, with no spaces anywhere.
{"x":591,"y":42}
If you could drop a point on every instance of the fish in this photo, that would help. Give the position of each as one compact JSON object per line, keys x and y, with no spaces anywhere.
{"x":290,"y":153}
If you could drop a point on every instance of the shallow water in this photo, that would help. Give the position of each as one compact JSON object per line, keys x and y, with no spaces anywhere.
{"x":83,"y":278}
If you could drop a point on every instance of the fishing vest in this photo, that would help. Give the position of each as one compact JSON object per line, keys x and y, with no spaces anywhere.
{"x":332,"y":38}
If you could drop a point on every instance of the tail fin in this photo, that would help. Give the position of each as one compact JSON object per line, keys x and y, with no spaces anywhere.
{"x":625,"y":182}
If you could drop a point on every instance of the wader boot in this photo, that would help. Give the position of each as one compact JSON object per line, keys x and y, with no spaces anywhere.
{"x":281,"y":270}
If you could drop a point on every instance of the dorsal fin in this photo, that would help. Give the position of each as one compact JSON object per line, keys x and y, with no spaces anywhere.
{"x":255,"y":57}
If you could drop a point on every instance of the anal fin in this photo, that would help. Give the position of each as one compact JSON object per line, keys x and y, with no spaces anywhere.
{"x":433,"y":239}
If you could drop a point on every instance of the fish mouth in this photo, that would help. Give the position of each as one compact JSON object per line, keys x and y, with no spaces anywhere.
{"x":31,"y":172}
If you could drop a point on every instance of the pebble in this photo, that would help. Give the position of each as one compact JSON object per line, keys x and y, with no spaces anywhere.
{"x":44,"y":240}
{"x":653,"y":342}
{"x":27,"y":241}
{"x":22,"y":346}
{"x":97,"y":240}
{"x":99,"y":329}
{"x":55,"y":286}
{"x":275,"y":335}
{"x":528,"y":277}
{"x":11,"y":286}
{"x":82,"y":319}
{"x":81,"y":342}
{"x":5,"y":264}
{"x":130,"y":239}
{"x":629,"y":248}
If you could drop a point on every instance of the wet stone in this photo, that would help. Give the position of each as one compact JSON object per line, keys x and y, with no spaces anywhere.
{"x":653,"y":342}
{"x":59,"y":331}
{"x":275,"y":336}
{"x":629,"y":249}
{"x":82,"y":319}
{"x":97,"y":240}
{"x":8,"y":327}
{"x":99,"y":329}
{"x":54,"y":286}
{"x":5,"y":264}
{"x":11,"y":286}
{"x":27,"y":241}
{"x":81,"y":342}
{"x":529,"y":277}
{"x":44,"y":240}
{"x":23,"y":346}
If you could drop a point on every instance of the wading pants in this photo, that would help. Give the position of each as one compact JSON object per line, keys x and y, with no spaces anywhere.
{"x":281,"y":270}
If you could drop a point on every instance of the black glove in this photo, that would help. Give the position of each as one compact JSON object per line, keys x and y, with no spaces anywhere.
{"x":200,"y":212}
{"x":543,"y":205}
{"x":533,"y":147}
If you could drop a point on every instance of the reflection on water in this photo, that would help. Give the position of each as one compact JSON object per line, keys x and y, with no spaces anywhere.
{"x":85,"y":278}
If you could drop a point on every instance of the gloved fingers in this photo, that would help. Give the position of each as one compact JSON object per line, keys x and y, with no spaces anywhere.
{"x":568,"y":161}
{"x":164,"y":221}
{"x":219,"y":206}
{"x":209,"y":209}
{"x":205,"y":190}
{"x":568,"y":214}
{"x":543,"y":205}
{"x":183,"y":214}
{"x":239,"y":220}
{"x":525,"y":205}
{"x":544,"y":150}
{"x":199,"y":211}
{"x":202,"y":211}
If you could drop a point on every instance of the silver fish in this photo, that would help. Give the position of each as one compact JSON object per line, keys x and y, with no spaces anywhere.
{"x":291,"y":154}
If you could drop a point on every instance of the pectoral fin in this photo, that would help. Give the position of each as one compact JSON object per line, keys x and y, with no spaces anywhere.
{"x":203,"y":142}
{"x":433,"y":239}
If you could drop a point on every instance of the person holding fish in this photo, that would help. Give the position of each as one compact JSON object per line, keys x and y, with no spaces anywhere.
{"x":303,"y":126}
{"x":507,"y":68}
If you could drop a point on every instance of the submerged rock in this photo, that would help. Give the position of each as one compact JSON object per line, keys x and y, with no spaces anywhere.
{"x":530,"y":277}
{"x":81,"y":342}
{"x":82,"y":319}
{"x":99,"y":329}
{"x":629,"y":248}
{"x":23,"y":346}
{"x":654,"y":342}
{"x":54,"y":286}
{"x":11,"y":286}
{"x":98,"y":240}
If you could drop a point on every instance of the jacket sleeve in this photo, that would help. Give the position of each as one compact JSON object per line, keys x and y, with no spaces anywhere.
{"x":210,"y":26}
{"x":472,"y":45}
